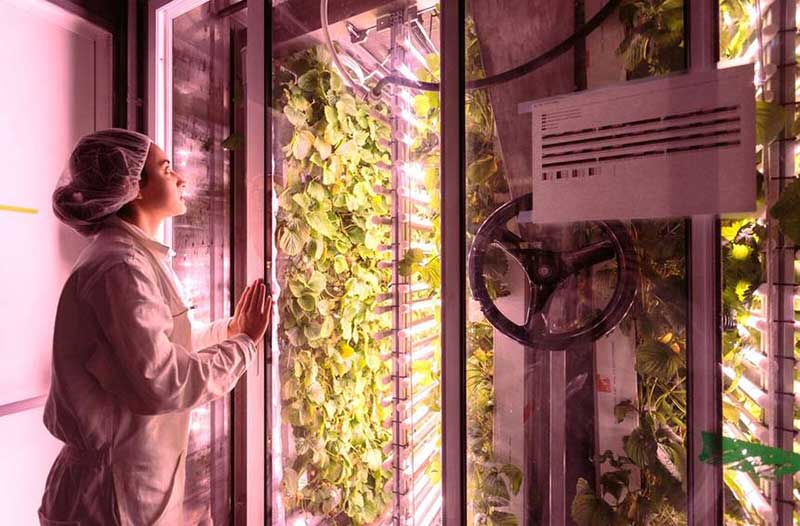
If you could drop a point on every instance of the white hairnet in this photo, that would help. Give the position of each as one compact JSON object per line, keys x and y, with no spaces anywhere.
{"x":102,"y":176}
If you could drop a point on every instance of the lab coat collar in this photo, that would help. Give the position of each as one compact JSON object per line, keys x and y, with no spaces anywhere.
{"x":159,"y":250}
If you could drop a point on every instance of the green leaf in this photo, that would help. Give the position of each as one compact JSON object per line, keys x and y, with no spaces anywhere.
{"x":372,"y":362}
{"x":623,"y":409}
{"x":786,"y":211}
{"x":408,"y":264}
{"x":307,"y":302}
{"x":615,"y":483}
{"x":639,"y":447}
{"x":234,"y":142}
{"x":348,"y":151}
{"x":372,"y":238}
{"x":503,"y":518}
{"x":309,"y":80}
{"x":346,"y":105}
{"x":770,"y":121}
{"x":421,"y":105}
{"x":339,"y":264}
{"x":315,"y":249}
{"x":320,"y":222}
{"x":315,"y":393}
{"x":657,"y":360}
{"x":301,"y":146}
{"x":327,"y":327}
{"x":294,"y":116}
{"x":482,"y":169}
{"x":316,"y":283}
{"x":330,"y":115}
{"x":372,"y":458}
{"x":302,"y":200}
{"x":514,"y":475}
{"x":297,"y":287}
{"x":322,"y":147}
{"x":316,"y":191}
{"x":588,"y":509}
{"x":291,"y":242}
{"x":289,"y":483}
{"x":313,"y":331}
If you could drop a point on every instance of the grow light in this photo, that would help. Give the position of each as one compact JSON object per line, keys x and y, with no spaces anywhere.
{"x":418,"y":326}
{"x":755,"y":357}
{"x":407,"y":73}
{"x":409,"y":45}
{"x":748,"y":387}
{"x":411,"y":119}
{"x":419,"y":223}
{"x":416,"y":196}
{"x":406,"y":95}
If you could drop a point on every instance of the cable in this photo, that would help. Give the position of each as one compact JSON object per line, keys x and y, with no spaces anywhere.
{"x":323,"y":15}
{"x":519,"y":71}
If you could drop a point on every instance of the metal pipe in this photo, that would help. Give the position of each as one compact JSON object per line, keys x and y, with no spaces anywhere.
{"x":704,"y":382}
{"x":231,"y":9}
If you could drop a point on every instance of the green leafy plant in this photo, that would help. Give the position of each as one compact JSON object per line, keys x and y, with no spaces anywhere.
{"x":736,"y":27}
{"x":647,"y":484}
{"x":786,"y":211}
{"x":487,"y":187}
{"x":492,"y":484}
{"x":653,"y":43}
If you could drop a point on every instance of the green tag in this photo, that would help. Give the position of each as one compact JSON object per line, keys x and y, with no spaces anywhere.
{"x":750,"y":457}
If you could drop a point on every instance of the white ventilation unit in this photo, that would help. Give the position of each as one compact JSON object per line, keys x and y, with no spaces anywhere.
{"x":677,"y":146}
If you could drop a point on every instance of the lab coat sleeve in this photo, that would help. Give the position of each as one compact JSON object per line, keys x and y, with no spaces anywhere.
{"x":207,"y":334}
{"x":153,"y":374}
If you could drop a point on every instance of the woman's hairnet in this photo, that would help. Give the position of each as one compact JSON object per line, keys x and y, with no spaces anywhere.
{"x":102,"y":176}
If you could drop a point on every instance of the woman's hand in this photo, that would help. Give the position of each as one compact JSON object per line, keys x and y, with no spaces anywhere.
{"x":252,"y":313}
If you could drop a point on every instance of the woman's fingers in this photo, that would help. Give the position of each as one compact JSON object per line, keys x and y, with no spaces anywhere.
{"x":257,"y":307}
{"x":248,"y":298}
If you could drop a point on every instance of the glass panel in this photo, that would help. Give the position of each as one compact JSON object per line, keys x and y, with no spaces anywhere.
{"x":202,"y":98}
{"x":355,"y":377}
{"x":759,"y":277}
{"x":576,"y":385}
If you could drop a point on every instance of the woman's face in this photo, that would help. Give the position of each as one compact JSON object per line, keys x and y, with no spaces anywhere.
{"x":163,"y":191}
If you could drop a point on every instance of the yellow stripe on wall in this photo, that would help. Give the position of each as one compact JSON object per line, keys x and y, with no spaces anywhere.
{"x":20,"y":209}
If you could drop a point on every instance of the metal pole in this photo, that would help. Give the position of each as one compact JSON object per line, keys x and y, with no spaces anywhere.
{"x":453,"y":273}
{"x":779,"y":163}
{"x":704,"y":387}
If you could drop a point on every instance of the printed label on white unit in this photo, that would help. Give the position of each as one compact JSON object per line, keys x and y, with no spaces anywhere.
{"x":672,"y":147}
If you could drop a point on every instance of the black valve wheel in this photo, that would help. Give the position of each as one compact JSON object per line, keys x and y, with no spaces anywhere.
{"x":545,"y":270}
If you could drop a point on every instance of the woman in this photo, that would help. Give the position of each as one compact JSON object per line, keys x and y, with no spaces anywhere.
{"x":128,"y":366}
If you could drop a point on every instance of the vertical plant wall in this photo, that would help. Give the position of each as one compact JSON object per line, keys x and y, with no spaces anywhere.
{"x":333,"y":377}
{"x":335,"y":263}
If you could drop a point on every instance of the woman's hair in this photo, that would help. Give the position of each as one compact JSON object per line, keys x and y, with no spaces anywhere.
{"x":103,"y":174}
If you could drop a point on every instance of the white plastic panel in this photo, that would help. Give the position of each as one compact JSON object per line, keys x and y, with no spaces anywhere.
{"x":672,"y":147}
{"x":50,"y":69}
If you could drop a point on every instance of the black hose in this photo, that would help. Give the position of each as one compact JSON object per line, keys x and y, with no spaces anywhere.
{"x":519,"y":71}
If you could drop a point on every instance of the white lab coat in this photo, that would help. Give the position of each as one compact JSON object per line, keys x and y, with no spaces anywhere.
{"x":127,"y":369}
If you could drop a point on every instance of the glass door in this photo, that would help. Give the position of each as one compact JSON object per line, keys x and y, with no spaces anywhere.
{"x":199,"y":118}
{"x":355,"y":396}
{"x":630,"y":348}
{"x":576,"y":341}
